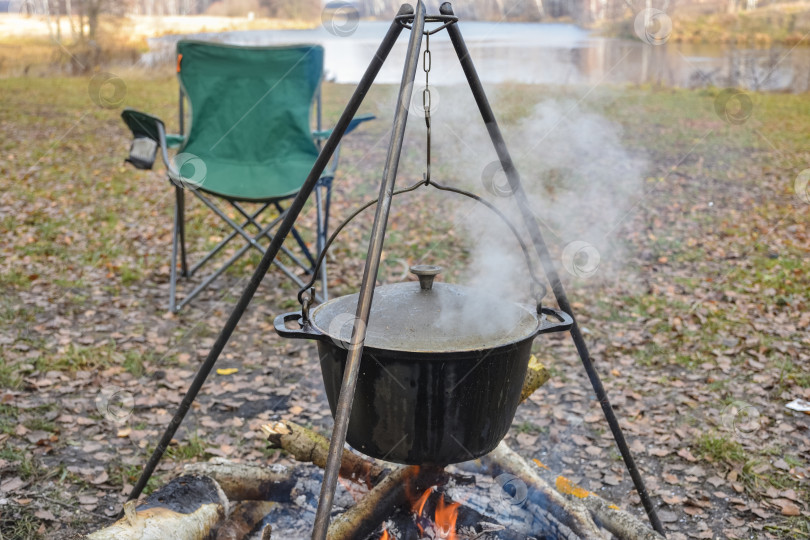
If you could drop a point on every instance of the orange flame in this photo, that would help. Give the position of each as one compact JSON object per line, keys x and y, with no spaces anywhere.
{"x":446,"y":519}
{"x":419,"y":505}
{"x":386,"y":536}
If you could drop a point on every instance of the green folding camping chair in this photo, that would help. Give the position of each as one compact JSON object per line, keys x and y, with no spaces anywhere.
{"x":250,"y":140}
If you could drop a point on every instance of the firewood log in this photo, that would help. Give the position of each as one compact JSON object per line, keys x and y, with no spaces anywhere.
{"x":308,"y":446}
{"x":361,"y":519}
{"x":620,"y":523}
{"x":245,"y":517}
{"x":187,"y":508}
{"x":241,"y":481}
{"x":572,"y":514}
{"x":536,"y":376}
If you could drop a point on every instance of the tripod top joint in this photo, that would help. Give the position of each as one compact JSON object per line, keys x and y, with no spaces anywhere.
{"x":406,"y":22}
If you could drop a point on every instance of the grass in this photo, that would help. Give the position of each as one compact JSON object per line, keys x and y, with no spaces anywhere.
{"x":24,"y":464}
{"x":134,"y":363}
{"x":9,"y":376}
{"x":8,"y":418}
{"x":192,"y":447}
{"x":19,"y":522}
{"x":76,"y":358}
{"x":529,"y":428}
{"x":720,"y":448}
{"x":796,"y":528}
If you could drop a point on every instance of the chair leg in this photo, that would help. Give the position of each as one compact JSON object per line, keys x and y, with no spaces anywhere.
{"x":173,"y":264}
{"x":300,"y":240}
{"x":322,"y":220}
{"x":181,"y":210}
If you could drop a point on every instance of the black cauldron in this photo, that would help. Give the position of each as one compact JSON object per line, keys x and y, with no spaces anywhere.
{"x":442,"y":366}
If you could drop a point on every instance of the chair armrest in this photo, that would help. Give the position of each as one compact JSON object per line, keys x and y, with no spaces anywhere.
{"x":356,"y":121}
{"x":145,"y":128}
{"x":175,"y":140}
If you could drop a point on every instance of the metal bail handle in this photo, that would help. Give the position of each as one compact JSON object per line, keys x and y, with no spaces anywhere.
{"x":306,"y":304}
{"x":540,"y":288}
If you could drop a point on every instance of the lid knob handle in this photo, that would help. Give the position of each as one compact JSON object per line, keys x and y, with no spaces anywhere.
{"x":425,"y":273}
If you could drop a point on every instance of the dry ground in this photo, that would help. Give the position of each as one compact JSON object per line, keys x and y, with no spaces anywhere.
{"x":699,"y":327}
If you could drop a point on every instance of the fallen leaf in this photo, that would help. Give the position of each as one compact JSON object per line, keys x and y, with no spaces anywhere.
{"x":12,"y":484}
{"x":100,"y":479}
{"x":687,"y":455}
{"x":788,"y":508}
{"x":45,"y":514}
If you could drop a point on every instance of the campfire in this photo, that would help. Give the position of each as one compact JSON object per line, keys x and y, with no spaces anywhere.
{"x":501,"y":496}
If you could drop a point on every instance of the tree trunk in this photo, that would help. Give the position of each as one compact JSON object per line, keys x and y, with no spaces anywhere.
{"x":69,"y":9}
{"x":93,"y":12}
{"x":48,"y":21}
{"x":732,"y":6}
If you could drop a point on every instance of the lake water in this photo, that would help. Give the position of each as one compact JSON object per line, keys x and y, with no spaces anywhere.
{"x":540,"y":53}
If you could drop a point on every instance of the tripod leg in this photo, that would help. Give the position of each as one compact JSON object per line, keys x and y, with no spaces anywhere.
{"x":545,"y":258}
{"x":351,"y":371}
{"x":292,"y":214}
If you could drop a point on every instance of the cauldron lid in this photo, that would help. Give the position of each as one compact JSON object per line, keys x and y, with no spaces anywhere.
{"x":426,"y":317}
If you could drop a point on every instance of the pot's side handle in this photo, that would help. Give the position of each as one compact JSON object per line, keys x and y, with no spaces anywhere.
{"x":304,"y":331}
{"x":564,"y":321}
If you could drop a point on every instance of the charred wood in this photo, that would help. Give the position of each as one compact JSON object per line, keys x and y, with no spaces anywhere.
{"x":394,"y":491}
{"x":242,"y":481}
{"x":187,"y":508}
{"x":246,"y":516}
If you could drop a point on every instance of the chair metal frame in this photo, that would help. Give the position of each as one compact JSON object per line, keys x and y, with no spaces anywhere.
{"x":179,"y":254}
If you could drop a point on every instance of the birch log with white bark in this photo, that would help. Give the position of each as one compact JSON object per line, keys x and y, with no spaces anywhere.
{"x":244,"y":481}
{"x":187,"y":508}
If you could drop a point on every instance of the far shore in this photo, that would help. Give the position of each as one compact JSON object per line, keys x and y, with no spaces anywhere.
{"x":138,"y":27}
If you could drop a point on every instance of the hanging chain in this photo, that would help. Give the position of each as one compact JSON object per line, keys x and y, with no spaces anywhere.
{"x":426,"y":61}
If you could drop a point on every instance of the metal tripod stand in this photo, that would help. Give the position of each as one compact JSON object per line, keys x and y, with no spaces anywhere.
{"x":414,"y":20}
